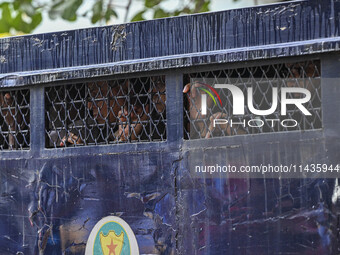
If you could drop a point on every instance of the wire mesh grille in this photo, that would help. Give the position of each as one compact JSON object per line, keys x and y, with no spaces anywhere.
{"x":14,"y":120}
{"x":106,"y":112}
{"x":262,"y":80}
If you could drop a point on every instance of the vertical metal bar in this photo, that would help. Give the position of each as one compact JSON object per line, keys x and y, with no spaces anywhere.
{"x":128,"y":120}
{"x":150,"y":95}
{"x":107,"y":120}
{"x":15,"y":117}
{"x":204,"y":104}
{"x":330,"y":108}
{"x":65,"y":113}
{"x":37,"y":119}
{"x":174,"y":107}
{"x":330,"y":94}
{"x":85,"y":113}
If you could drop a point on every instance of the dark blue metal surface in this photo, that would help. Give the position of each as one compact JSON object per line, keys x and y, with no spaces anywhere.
{"x":149,"y":185}
{"x":86,"y":188}
{"x":282,"y":30}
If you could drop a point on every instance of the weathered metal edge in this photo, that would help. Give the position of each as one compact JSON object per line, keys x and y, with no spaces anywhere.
{"x":246,"y":28}
{"x":170,"y":62}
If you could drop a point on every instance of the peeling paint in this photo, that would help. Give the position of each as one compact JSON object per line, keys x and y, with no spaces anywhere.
{"x":3,"y":59}
{"x":118,"y":37}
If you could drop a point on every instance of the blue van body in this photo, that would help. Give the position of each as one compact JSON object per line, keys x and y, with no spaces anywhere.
{"x":51,"y":198}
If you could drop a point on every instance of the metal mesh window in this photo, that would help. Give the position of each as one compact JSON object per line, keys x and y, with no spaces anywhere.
{"x":262,"y":79}
{"x":14,"y":120}
{"x":106,"y":112}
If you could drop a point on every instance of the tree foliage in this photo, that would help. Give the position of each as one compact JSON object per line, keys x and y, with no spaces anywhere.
{"x":154,"y":6}
{"x":20,"y":15}
{"x":23,"y":16}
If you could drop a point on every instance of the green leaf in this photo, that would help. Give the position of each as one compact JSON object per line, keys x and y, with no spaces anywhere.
{"x":56,"y":9}
{"x":6,"y":21}
{"x":3,"y":4}
{"x":6,"y":12}
{"x":98,"y":7}
{"x":28,"y":9}
{"x":4,"y":27}
{"x":152,"y":3}
{"x":70,"y":12}
{"x":16,"y":5}
{"x":67,"y":9}
{"x":138,"y":16}
{"x":205,"y":7}
{"x":17,"y":22}
{"x":159,"y":13}
{"x":95,"y":18}
{"x":109,"y":13}
{"x":20,"y":25}
{"x":36,"y":20}
{"x":176,"y":13}
{"x":97,"y":12}
{"x":186,"y":10}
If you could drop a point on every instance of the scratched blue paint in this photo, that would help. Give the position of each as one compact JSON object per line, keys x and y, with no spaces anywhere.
{"x":288,"y":29}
